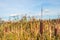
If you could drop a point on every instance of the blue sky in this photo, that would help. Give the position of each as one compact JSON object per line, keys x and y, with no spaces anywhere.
{"x":51,"y":8}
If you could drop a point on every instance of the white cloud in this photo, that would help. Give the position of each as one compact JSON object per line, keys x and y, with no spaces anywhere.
{"x":13,"y":14}
{"x":49,"y":13}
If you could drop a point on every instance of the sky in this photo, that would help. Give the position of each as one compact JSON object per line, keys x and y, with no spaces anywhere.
{"x":51,"y":8}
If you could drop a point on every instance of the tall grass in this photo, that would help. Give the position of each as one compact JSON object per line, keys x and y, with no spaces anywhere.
{"x":30,"y":30}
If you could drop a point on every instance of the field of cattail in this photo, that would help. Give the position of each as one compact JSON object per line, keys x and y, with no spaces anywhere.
{"x":30,"y":30}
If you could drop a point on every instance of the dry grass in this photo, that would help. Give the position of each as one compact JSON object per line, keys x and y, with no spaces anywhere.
{"x":29,"y":30}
